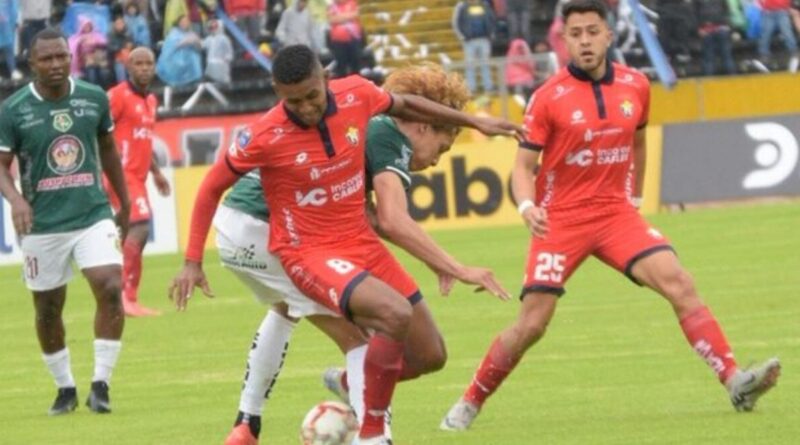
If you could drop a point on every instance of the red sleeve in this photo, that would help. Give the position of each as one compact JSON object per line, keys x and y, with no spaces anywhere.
{"x":117,"y":104}
{"x":537,"y":124}
{"x":245,"y":153}
{"x":644,"y":96}
{"x":218,"y":179}
{"x":379,"y":100}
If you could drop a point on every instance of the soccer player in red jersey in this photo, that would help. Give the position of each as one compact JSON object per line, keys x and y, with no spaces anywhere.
{"x":588,"y":125}
{"x":310,"y":152}
{"x":133,"y":110}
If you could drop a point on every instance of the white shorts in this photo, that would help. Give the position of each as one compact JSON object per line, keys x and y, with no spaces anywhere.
{"x":47,"y":256}
{"x":242,"y":242}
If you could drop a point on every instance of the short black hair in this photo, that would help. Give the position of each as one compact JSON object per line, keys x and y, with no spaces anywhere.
{"x":47,"y":34}
{"x":294,"y":64}
{"x":584,"y":6}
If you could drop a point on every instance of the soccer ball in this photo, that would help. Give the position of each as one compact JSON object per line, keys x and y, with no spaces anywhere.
{"x":329,"y":423}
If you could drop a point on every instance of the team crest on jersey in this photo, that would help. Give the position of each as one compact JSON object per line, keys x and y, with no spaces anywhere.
{"x":352,"y":135}
{"x":65,"y":155}
{"x":627,"y":108}
{"x":62,"y":122}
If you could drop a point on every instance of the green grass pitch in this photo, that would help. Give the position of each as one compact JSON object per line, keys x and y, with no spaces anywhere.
{"x":613,"y":369}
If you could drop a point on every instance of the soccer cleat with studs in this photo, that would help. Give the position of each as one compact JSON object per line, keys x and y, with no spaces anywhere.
{"x":460,"y":416}
{"x":98,"y":400}
{"x":747,"y":386}
{"x":66,"y":401}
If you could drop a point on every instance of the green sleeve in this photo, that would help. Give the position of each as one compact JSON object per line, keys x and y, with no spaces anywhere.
{"x":387,"y":151}
{"x":8,"y":139}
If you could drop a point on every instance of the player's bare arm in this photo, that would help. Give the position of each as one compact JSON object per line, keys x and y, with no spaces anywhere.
{"x":21,"y":212}
{"x":639,"y":164}
{"x":522,"y":185}
{"x":162,"y":185}
{"x":419,"y":109}
{"x":218,"y":179}
{"x":400,"y":228}
{"x":112,"y":167}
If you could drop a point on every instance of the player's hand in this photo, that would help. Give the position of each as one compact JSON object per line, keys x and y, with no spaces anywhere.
{"x":536,"y":220}
{"x":494,"y":126}
{"x":446,"y":282}
{"x":485,"y":280}
{"x":22,"y":215}
{"x":123,"y":219}
{"x":183,"y":284}
{"x":162,"y":185}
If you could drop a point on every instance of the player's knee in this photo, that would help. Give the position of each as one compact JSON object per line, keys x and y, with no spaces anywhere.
{"x":437,"y":358}
{"x":395,"y":318}
{"x":110,"y":293}
{"x":679,"y":285}
{"x":531,"y":330}
{"x":48,"y":313}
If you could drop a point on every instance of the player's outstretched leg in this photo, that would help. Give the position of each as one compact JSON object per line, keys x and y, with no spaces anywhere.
{"x":264,"y":363}
{"x":503,"y":355}
{"x":747,"y":386}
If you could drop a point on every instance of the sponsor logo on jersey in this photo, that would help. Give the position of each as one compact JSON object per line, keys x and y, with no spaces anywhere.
{"x":352,"y":135}
{"x":587,"y":137}
{"x":627,"y":78}
{"x":577,"y":117}
{"x":83,"y":103}
{"x":316,"y":173}
{"x":316,"y":197}
{"x":301,"y":158}
{"x":62,"y":122}
{"x":65,"y":155}
{"x":627,"y":108}
{"x":582,"y":158}
{"x":405,"y":157}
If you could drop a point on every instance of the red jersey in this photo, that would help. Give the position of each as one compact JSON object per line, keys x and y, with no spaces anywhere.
{"x":585,"y":130}
{"x":313,"y":177}
{"x":134,"y":116}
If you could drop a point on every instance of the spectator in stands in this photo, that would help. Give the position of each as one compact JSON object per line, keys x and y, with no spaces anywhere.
{"x":675,"y":24}
{"x":520,"y":68}
{"x":518,"y":14}
{"x":195,"y":10}
{"x":8,"y":36}
{"x":249,"y":17}
{"x":474,"y":24}
{"x":180,"y":60}
{"x":297,"y":26}
{"x":34,"y":15}
{"x":89,"y":54}
{"x":137,"y":25}
{"x":794,"y":11}
{"x":546,"y":63}
{"x":775,"y":14}
{"x":120,"y":45}
{"x":713,"y":21}
{"x":554,"y":34}
{"x":219,"y":53}
{"x":346,"y":37}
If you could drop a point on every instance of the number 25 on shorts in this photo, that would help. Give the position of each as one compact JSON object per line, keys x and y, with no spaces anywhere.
{"x":549,"y":267}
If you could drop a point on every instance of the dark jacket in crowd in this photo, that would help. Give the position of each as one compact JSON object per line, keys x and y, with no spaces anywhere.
{"x":713,"y":12}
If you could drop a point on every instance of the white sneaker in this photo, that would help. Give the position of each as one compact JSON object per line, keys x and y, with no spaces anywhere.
{"x":460,"y":416}
{"x":332,"y":379}
{"x":794,"y":63}
{"x":745,"y":387}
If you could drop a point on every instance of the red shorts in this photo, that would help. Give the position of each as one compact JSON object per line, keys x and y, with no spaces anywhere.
{"x":328,"y":276}
{"x":618,"y":238}
{"x":137,"y":193}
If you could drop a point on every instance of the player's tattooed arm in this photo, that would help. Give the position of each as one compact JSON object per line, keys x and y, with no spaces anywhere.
{"x":419,"y":109}
{"x":21,"y":211}
{"x":112,"y":167}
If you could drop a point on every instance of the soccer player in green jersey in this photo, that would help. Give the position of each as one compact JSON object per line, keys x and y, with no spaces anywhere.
{"x":59,"y":129}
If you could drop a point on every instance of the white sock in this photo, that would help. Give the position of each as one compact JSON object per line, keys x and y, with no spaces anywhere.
{"x":58,"y":364}
{"x":355,"y":379}
{"x":106,"y":353}
{"x":264,"y":362}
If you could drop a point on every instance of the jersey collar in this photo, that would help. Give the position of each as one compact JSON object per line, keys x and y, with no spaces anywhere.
{"x":580,"y":74}
{"x":42,"y":99}
{"x":330,"y":110}
{"x":137,"y":91}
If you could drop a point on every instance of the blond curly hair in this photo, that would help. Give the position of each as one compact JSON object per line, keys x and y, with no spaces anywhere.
{"x":430,"y":81}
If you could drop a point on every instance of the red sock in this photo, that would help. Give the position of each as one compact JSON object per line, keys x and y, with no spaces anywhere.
{"x":381,"y":370}
{"x":494,"y":368}
{"x":131,"y":269}
{"x":707,"y":339}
